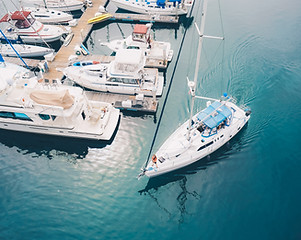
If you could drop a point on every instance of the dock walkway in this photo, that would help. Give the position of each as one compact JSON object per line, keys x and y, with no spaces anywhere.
{"x":81,"y":31}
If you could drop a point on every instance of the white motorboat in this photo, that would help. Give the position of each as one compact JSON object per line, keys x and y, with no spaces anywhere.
{"x":141,"y":39}
{"x":155,"y":7}
{"x":28,"y":104}
{"x":61,"y":5}
{"x":49,"y":16}
{"x":24,"y":50}
{"x":126,"y":75}
{"x":23,"y":25}
{"x":203,"y":133}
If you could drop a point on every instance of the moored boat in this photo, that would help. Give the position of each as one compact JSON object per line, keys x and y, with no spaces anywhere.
{"x":22,"y":24}
{"x":28,"y":104}
{"x":24,"y":50}
{"x":49,"y":16}
{"x":61,"y":5}
{"x":126,"y":75}
{"x":141,"y":38}
{"x":155,"y":7}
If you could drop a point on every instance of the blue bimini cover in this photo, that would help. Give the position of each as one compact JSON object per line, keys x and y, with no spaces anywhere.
{"x":222,"y":113}
{"x":161,"y":3}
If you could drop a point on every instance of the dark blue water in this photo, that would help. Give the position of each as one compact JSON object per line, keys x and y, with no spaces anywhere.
{"x":54,"y":188}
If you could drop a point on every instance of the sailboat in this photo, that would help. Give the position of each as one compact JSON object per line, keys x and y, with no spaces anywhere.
{"x":49,"y":16}
{"x":62,"y":5}
{"x":155,"y":7}
{"x":204,"y":132}
{"x":24,"y":50}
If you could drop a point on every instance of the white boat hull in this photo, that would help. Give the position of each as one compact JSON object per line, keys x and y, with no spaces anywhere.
{"x":80,"y":77}
{"x":20,"y":126}
{"x":179,"y":152}
{"x":49,"y":16}
{"x":24,"y":50}
{"x":50,"y":108}
{"x":65,"y":6}
{"x":143,"y":8}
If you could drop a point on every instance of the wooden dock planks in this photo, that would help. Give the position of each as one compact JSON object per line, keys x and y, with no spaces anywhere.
{"x":80,"y":31}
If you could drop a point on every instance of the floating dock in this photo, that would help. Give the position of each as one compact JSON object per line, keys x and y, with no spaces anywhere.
{"x":125,"y":102}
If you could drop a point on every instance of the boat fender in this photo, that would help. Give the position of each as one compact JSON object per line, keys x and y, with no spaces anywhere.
{"x":248,"y":112}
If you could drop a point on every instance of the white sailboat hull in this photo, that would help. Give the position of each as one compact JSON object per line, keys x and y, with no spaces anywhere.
{"x":179,"y":152}
{"x":64,"y":5}
{"x":49,"y":16}
{"x":24,"y":50}
{"x":143,"y":8}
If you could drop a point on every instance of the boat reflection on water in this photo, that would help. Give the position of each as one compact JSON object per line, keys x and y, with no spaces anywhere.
{"x":52,"y":146}
{"x":175,"y":183}
{"x":222,"y":154}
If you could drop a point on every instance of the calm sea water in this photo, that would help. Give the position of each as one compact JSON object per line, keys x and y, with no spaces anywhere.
{"x":52,"y":188}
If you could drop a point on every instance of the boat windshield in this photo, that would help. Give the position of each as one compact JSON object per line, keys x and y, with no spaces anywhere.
{"x":26,"y":23}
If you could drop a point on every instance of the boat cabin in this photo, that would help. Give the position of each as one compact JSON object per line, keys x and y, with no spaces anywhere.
{"x":213,"y":118}
{"x":128,"y":61}
{"x":23,"y":19}
{"x":141,"y":33}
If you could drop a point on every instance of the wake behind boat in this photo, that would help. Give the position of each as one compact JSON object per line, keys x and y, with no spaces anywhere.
{"x":125,"y":75}
{"x":204,"y":132}
{"x":29,"y":105}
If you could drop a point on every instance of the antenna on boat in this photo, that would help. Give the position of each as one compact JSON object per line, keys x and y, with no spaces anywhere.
{"x":14,"y":49}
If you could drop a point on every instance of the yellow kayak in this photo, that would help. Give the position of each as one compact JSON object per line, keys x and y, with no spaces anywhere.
{"x":100,"y":18}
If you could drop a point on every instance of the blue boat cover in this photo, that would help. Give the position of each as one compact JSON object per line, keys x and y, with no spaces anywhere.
{"x":213,"y":121}
{"x":161,"y":3}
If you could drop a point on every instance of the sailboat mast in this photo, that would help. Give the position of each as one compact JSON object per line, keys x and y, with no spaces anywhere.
{"x":200,"y":44}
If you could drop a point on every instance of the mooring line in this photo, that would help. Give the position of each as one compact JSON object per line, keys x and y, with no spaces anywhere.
{"x":168,"y":90}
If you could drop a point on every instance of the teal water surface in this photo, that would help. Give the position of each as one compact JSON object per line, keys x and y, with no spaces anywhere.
{"x":53,"y":188}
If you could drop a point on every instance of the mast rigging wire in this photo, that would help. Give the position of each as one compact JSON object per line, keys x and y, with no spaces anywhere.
{"x":168,"y":91}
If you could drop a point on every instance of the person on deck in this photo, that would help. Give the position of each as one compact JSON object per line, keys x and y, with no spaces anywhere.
{"x":154,"y":159}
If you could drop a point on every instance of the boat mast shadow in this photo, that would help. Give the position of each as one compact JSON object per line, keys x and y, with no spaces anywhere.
{"x":222,"y":154}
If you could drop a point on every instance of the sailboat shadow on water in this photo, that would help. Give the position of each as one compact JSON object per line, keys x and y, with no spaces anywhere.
{"x":236,"y":144}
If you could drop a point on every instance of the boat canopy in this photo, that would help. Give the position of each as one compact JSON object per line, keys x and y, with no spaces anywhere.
{"x":17,"y":15}
{"x":161,"y":3}
{"x":61,"y":98}
{"x":140,"y":29}
{"x":128,"y":60}
{"x":211,"y":119}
